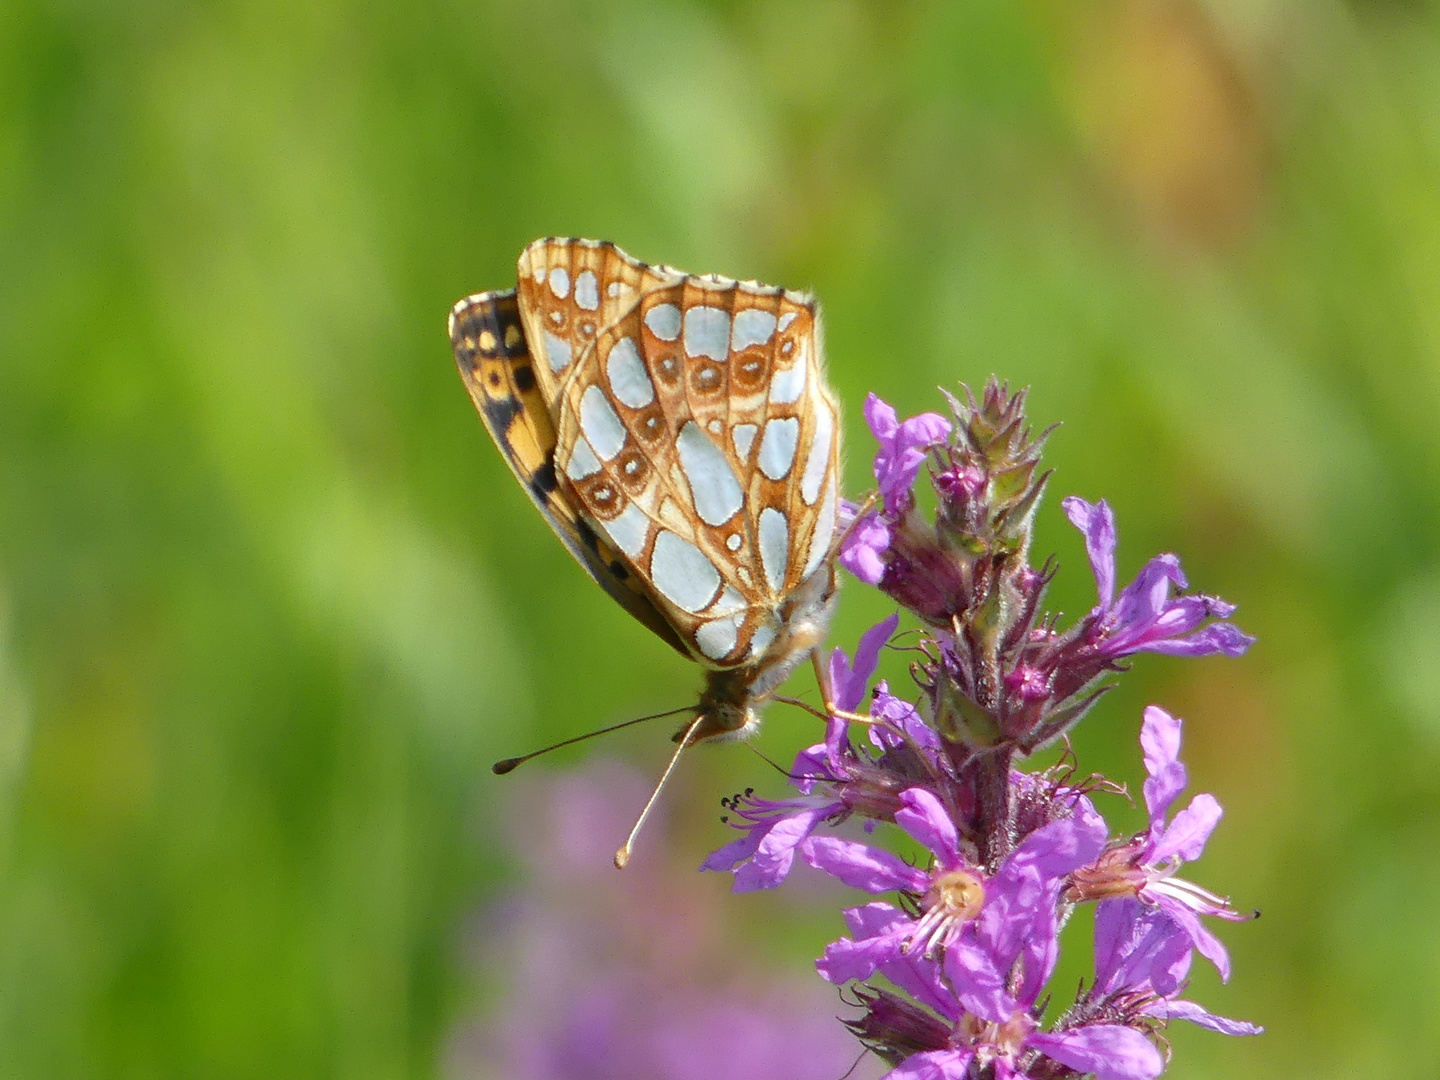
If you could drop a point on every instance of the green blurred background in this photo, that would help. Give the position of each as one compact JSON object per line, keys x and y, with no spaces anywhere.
{"x":270,"y":602}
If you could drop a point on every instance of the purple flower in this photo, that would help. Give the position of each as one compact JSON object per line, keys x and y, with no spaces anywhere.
{"x":1145,"y":618}
{"x":903,"y":446}
{"x":1141,"y":961}
{"x":964,"y":1013}
{"x":1145,"y":867}
{"x":983,"y":923}
{"x":867,"y":548}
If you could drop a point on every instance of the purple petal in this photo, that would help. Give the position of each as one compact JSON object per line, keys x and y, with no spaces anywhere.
{"x":735,"y":852}
{"x":900,"y":716}
{"x":883,"y":933}
{"x":1185,"y":838}
{"x":977,"y":982}
{"x":917,"y":976}
{"x":881,"y":418}
{"x":776,"y":851}
{"x":816,"y":763}
{"x":848,"y":683}
{"x":861,"y":866}
{"x":1056,"y":849}
{"x":933,"y":1065}
{"x":926,"y":820}
{"x":1098,"y":524}
{"x":923,"y":980}
{"x":863,"y":547}
{"x":1188,"y":1010}
{"x":1206,"y":943}
{"x":1109,"y":1051}
{"x":1137,"y":944}
{"x":1223,"y":638}
{"x":1160,"y":740}
{"x":925,"y":430}
{"x":1143,"y":601}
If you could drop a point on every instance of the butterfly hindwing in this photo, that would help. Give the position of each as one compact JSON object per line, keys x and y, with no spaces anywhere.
{"x":498,"y":370}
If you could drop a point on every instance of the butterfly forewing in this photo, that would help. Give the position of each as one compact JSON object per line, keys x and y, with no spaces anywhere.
{"x":498,"y":370}
{"x":693,"y":428}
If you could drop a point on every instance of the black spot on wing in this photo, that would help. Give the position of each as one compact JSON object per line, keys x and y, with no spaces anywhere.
{"x":524,"y":378}
{"x":544,"y":481}
{"x":587,"y":534}
{"x":500,"y":412}
{"x":618,"y":569}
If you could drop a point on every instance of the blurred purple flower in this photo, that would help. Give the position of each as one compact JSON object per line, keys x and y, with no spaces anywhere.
{"x":632,"y":976}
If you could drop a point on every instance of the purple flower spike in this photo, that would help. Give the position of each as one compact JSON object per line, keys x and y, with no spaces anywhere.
{"x":951,"y":973}
{"x":902,"y":449}
{"x":1145,"y":617}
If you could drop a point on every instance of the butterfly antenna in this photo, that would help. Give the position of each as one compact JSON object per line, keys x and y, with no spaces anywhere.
{"x":500,"y":768}
{"x":623,"y":855}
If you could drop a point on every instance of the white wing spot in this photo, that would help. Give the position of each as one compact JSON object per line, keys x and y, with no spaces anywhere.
{"x":774,"y":547}
{"x":707,"y":332}
{"x":583,"y":461}
{"x":629,"y":380}
{"x":788,"y":383}
{"x":664,"y":321}
{"x":681,"y":573}
{"x":818,"y":463}
{"x":600,"y":423}
{"x":786,"y":320}
{"x":777,"y":447}
{"x":733,"y":541}
{"x":824,"y":534}
{"x":715,"y":491}
{"x":743,"y":436}
{"x":587,"y":290}
{"x":560,"y":282}
{"x":615,"y":288}
{"x":716,"y":639}
{"x":729,"y":603}
{"x":629,"y":530}
{"x":539,"y":275}
{"x":557,"y":351}
{"x":715,"y":427}
{"x":761,"y":640}
{"x":753,"y":326}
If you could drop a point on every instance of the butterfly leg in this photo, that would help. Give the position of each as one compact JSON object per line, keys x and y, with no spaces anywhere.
{"x":831,"y":709}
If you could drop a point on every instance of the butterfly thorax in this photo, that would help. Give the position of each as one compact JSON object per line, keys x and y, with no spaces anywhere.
{"x":729,"y":706}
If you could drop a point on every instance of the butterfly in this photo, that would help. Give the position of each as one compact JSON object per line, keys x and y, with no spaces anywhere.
{"x":677,"y":433}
